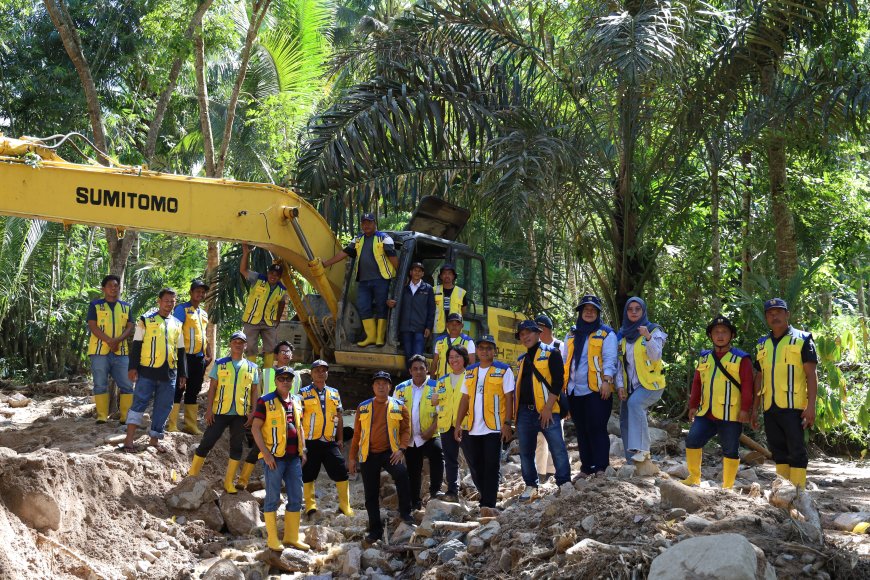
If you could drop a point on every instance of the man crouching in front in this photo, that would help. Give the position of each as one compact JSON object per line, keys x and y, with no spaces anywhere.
{"x":381,"y":433}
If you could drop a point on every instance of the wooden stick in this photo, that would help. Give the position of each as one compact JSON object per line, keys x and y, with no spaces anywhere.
{"x":69,"y":551}
{"x":456,"y":526}
{"x":755,"y":446}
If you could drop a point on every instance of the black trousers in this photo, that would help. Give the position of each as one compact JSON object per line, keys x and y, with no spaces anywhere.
{"x":451,"y":460}
{"x":329,"y":456}
{"x":213,"y":433}
{"x":432,"y":451}
{"x":195,"y":376}
{"x":483,"y":452}
{"x":785,"y":436}
{"x":370,"y":469}
{"x":590,"y":415}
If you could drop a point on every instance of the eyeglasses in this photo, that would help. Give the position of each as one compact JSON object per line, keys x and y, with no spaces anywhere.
{"x":285,"y":351}
{"x":284,"y":379}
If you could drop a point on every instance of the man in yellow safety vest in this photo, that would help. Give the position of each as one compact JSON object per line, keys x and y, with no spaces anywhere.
{"x":263,"y":308}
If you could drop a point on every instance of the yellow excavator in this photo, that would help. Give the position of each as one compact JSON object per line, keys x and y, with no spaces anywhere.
{"x":36,"y":183}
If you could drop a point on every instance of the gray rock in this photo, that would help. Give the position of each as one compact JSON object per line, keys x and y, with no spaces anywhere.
{"x":505,"y":561}
{"x":610,"y":471}
{"x":373,"y":558}
{"x":613,"y":427}
{"x":721,"y":556}
{"x":626,"y":471}
{"x":676,"y":514}
{"x":430,"y":542}
{"x":290,"y":560}
{"x":588,"y":523}
{"x":677,"y":495}
{"x":449,"y":550}
{"x":511,"y":469}
{"x":241,"y":512}
{"x":848,"y":521}
{"x":646,"y":468}
{"x":439,"y":510}
{"x":617,"y":449}
{"x":748,"y":475}
{"x":486,"y":532}
{"x":679,"y":471}
{"x":422,"y":557}
{"x":223,"y":570}
{"x":321,"y":537}
{"x":476,"y":546}
{"x":402,"y":534}
{"x":209,"y":513}
{"x":657,"y":437}
{"x":351,"y":564}
{"x":696,"y":523}
{"x":191,"y":493}
{"x":143,"y":566}
{"x":567,"y":490}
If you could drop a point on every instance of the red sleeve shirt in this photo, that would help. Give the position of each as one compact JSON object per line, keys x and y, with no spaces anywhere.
{"x":292,"y":436}
{"x":747,"y":387}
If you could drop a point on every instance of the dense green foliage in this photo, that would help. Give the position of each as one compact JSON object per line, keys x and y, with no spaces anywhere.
{"x":663,"y":149}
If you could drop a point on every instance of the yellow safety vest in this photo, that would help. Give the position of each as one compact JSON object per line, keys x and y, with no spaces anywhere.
{"x":112,"y":321}
{"x":195,"y":322}
{"x":385,"y":267}
{"x":457,"y":297}
{"x":268,"y":383}
{"x":263,"y":300}
{"x":394,"y":422}
{"x":443,"y":344}
{"x":274,"y":429}
{"x":542,"y":393}
{"x":494,"y":405}
{"x":234,"y":386}
{"x":649,"y":373}
{"x":160,"y":341}
{"x":595,"y":362}
{"x":448,"y":402}
{"x":320,"y":421}
{"x":429,"y":411}
{"x":783,"y":379}
{"x":718,"y":393}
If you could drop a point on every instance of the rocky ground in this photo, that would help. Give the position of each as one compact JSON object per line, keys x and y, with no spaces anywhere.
{"x":74,"y":507}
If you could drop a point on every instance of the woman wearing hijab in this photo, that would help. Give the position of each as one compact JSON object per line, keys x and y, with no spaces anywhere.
{"x":640,"y":379}
{"x":590,"y":365}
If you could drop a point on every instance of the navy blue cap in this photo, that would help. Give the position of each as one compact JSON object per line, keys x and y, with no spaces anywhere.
{"x":527,"y":325}
{"x":368,"y":217}
{"x":319,"y":363}
{"x":239,"y":335}
{"x":544,"y":320}
{"x":724,"y":321}
{"x":382,"y":375}
{"x":284,"y":371}
{"x":454,"y":317}
{"x":276,"y":268}
{"x":198,"y":284}
{"x":416,"y":265}
{"x":590,"y":299}
{"x":448,"y":266}
{"x":486,"y":338}
{"x":775,"y":303}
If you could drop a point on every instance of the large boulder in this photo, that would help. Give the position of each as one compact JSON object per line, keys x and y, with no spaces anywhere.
{"x":241,"y":512}
{"x":657,"y":437}
{"x":613,"y":427}
{"x":290,"y":560}
{"x":449,"y":550}
{"x":191,"y":493}
{"x":223,"y":570}
{"x":439,"y":510}
{"x":209,"y":513}
{"x":721,"y":556}
{"x":321,"y":537}
{"x":617,"y":449}
{"x":677,"y":495}
{"x":351,"y":564}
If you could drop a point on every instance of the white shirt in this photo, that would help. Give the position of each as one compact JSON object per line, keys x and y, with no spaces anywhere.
{"x":415,"y":287}
{"x":479,"y":426}
{"x":416,"y":430}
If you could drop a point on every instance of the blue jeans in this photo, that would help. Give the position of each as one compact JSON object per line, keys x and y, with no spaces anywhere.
{"x":103,"y":365}
{"x":163,"y":393}
{"x":528,"y":426}
{"x":289,"y":471}
{"x":371,"y":298}
{"x":633,"y":421}
{"x":412,"y":343}
{"x":703,"y":429}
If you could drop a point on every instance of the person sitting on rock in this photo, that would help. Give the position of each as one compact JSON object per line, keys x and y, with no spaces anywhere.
{"x":381,"y":434}
{"x":277,"y":429}
{"x":721,"y":401}
{"x":324,"y":431}
{"x":231,"y":392}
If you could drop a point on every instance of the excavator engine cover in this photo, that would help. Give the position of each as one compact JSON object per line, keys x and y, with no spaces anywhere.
{"x":438,"y":218}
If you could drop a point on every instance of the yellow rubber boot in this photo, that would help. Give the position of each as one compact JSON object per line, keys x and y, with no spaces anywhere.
{"x":783,"y":470}
{"x":291,"y":531}
{"x":245,"y":475}
{"x":190,"y":416}
{"x":344,"y":497}
{"x":232,"y":467}
{"x":172,"y":424}
{"x":268,"y":360}
{"x":252,"y":358}
{"x":310,"y":502}
{"x":272,"y":532}
{"x":196,"y":465}
{"x":371,"y":331}
{"x":693,"y":462}
{"x":798,"y":477}
{"x":102,"y":403}
{"x":382,"y":332}
{"x":729,"y":472}
{"x":124,"y":404}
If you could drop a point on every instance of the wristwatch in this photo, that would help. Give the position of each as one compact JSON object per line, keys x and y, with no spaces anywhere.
{"x":509,"y":423}
{"x":402,"y":449}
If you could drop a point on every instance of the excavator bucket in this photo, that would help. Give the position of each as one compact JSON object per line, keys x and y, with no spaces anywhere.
{"x":438,"y":218}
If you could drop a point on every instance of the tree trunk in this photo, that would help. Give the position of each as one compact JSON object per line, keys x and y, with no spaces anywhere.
{"x":716,"y":256}
{"x":862,"y":305}
{"x":746,"y":212}
{"x":174,"y":71}
{"x":258,"y":12}
{"x":202,"y":99}
{"x":119,"y":250}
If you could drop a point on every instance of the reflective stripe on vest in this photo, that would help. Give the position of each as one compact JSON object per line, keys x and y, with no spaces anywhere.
{"x":457,"y":297}
{"x":160,"y":341}
{"x":718,"y":393}
{"x":783,"y":379}
{"x":494,"y":405}
{"x":542,"y":363}
{"x":233,"y":386}
{"x":111,"y":321}
{"x":594,"y":359}
{"x":268,"y":382}
{"x":649,"y":373}
{"x":263,"y":300}
{"x":195,"y":322}
{"x":448,"y":402}
{"x":442,"y":345}
{"x":394,"y":421}
{"x":274,"y":429}
{"x":316,"y":418}
{"x":428,"y":412}
{"x":385,"y":267}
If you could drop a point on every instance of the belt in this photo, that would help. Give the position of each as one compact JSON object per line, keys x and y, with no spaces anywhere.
{"x":531,"y":407}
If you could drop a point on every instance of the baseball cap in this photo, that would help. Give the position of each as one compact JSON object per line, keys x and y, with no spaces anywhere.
{"x":276,"y":268}
{"x":239,"y":335}
{"x":527,"y":325}
{"x":198,"y":283}
{"x":368,"y":217}
{"x":448,"y":266}
{"x":544,"y":320}
{"x":382,"y":375}
{"x":284,"y":371}
{"x":590,"y":299}
{"x":723,"y":321}
{"x":319,"y":363}
{"x":486,"y":338}
{"x":775,"y":303}
{"x":416,"y":265}
{"x":454,"y":317}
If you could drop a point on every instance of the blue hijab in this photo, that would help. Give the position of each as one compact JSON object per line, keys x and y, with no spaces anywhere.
{"x":581,"y":334}
{"x":629,"y":330}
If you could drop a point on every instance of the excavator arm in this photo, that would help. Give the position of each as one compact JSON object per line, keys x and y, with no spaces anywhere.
{"x":35,"y":183}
